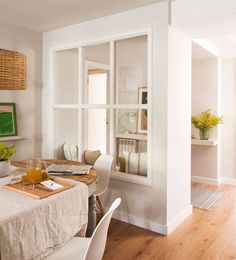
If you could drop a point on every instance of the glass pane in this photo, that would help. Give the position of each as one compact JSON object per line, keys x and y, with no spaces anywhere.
{"x":66,"y":130}
{"x":131,"y":146}
{"x":96,"y":130}
{"x":97,"y":67}
{"x":66,"y":77}
{"x":126,"y":121}
{"x":131,"y":69}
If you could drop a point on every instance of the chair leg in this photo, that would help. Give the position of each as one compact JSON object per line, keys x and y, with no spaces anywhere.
{"x":100,"y":207}
{"x":101,"y":210}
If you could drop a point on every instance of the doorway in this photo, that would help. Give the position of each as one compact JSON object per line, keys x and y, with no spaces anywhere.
{"x":97,"y":119}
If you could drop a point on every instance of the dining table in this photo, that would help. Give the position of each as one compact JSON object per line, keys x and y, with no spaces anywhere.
{"x":89,"y":179}
{"x":33,"y":228}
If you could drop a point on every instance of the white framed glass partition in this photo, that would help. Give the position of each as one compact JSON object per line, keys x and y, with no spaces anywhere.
{"x":66,"y":76}
{"x":66,"y":129}
{"x":102,"y":101}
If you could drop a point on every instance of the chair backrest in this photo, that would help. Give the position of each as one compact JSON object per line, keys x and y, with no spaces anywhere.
{"x":98,"y":240}
{"x":103,"y":166}
{"x":70,"y":151}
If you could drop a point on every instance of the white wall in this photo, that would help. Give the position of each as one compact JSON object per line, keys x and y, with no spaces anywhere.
{"x":204,"y":96}
{"x":145,"y":203}
{"x":28,"y":102}
{"x":145,"y":206}
{"x":179,"y":127}
{"x":204,"y":159}
{"x":228,"y":152}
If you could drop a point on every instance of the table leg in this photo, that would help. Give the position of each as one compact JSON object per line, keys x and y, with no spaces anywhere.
{"x":92,"y":217}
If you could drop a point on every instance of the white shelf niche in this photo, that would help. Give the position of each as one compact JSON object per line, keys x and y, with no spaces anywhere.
{"x":204,"y":142}
{"x":132,"y":136}
{"x":13,"y":138}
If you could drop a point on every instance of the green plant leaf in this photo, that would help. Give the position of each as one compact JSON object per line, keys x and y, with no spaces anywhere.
{"x":6,"y":152}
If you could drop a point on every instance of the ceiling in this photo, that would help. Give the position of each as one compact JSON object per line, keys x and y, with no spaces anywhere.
{"x":46,"y":15}
{"x":212,"y":28}
{"x":200,"y":53}
{"x":216,"y":35}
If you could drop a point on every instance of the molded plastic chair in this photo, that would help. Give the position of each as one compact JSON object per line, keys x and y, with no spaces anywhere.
{"x":103,"y":166}
{"x":70,"y":151}
{"x":87,"y":248}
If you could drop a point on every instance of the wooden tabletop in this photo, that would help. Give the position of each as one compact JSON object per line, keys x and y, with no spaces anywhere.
{"x":85,"y":178}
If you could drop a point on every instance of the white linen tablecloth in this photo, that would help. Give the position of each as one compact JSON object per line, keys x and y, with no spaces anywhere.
{"x":32,"y":228}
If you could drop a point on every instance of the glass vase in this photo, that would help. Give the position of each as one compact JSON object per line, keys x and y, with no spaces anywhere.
{"x":203,"y":134}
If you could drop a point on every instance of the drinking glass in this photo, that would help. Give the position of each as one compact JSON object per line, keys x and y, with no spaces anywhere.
{"x":34,"y":172}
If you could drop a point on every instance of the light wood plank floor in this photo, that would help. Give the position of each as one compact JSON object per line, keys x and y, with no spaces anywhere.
{"x":204,"y":235}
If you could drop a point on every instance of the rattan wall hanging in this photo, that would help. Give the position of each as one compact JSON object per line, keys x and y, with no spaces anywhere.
{"x":12,"y":70}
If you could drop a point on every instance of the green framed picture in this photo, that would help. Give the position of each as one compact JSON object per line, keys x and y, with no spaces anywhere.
{"x":8,"y":126}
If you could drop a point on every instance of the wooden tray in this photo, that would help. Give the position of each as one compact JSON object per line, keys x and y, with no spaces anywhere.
{"x":37,"y":192}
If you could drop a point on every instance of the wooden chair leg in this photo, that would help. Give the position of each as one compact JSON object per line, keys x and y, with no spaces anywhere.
{"x":100,"y":207}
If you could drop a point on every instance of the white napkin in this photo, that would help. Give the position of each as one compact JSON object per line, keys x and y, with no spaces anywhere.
{"x":51,"y":185}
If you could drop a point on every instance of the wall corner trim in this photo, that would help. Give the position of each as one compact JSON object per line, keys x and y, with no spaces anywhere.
{"x":179,"y":219}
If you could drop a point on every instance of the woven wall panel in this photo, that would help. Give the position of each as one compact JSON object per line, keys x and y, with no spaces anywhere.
{"x":12,"y":70}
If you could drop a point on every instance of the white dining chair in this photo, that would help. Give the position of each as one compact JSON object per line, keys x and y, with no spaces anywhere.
{"x":93,"y":248}
{"x":70,"y":151}
{"x":103,"y":166}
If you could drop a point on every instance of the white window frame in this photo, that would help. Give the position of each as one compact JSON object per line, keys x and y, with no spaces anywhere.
{"x":52,"y":106}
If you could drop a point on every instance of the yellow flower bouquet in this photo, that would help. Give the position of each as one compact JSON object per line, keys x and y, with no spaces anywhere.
{"x":205,"y":122}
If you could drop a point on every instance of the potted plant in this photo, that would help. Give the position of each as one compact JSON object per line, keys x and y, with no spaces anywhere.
{"x":5,"y":154}
{"x":205,"y":122}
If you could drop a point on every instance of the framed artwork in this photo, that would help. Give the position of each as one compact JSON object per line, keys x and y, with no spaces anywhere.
{"x":142,"y":113}
{"x":8,"y":126}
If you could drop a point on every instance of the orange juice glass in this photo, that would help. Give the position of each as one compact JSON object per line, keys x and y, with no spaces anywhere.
{"x":34,"y":170}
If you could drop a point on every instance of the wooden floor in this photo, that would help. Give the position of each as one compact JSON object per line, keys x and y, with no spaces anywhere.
{"x":204,"y":235}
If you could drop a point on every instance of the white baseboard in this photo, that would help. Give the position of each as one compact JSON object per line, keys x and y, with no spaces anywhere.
{"x":140,"y":222}
{"x":178,"y":220}
{"x":205,"y":180}
{"x":225,"y":180}
{"x":151,"y":225}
